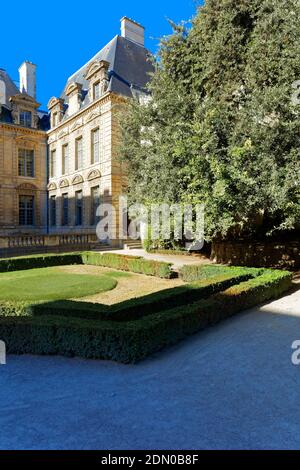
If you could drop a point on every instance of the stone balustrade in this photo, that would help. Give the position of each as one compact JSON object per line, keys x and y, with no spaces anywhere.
{"x":26,"y":243}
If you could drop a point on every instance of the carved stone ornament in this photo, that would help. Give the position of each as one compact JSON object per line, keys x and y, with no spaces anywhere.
{"x":27,"y":187}
{"x":93,"y":175}
{"x":64,"y":183}
{"x":63,"y":133}
{"x":76,"y":125}
{"x":77,"y":179}
{"x":52,"y":186}
{"x":92,"y":115}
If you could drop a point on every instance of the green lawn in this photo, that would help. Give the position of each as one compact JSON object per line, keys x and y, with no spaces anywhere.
{"x":51,"y":284}
{"x":40,"y":313}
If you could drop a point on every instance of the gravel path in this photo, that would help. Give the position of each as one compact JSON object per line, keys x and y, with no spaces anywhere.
{"x":229,"y":387}
{"x":176,"y":260}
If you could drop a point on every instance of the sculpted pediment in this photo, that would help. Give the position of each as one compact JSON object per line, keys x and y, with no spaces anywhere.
{"x":52,"y":139}
{"x":77,"y":179}
{"x":52,"y":102}
{"x":64,"y":183}
{"x":22,"y":99}
{"x":25,"y":140}
{"x":52,"y":186}
{"x":76,"y":125}
{"x":62,"y":133}
{"x":92,"y":115}
{"x":93,"y":68}
{"x":27,"y":187}
{"x":73,"y":87}
{"x":93,"y":175}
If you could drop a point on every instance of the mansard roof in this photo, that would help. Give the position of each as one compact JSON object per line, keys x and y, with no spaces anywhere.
{"x":11,"y":87}
{"x":129,"y":69}
{"x":11,"y":90}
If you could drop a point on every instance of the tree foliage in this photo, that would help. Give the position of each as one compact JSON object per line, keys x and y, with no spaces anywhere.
{"x":221,"y":127}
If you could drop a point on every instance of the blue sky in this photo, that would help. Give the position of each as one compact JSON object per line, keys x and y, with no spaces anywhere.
{"x":61,"y":36}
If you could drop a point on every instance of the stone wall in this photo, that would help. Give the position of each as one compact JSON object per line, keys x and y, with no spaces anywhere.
{"x":283,"y":255}
{"x":12,"y":186}
{"x":105,"y":174}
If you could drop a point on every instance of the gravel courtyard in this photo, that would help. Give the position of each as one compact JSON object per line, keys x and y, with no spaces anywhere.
{"x":230,"y":387}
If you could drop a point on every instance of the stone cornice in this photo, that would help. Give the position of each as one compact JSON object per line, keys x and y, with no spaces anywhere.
{"x":24,"y":130}
{"x":119,"y":98}
{"x":104,"y":99}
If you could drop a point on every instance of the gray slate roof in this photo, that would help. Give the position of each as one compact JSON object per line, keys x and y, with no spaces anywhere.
{"x":12,"y":90}
{"x":11,"y":87}
{"x":129,"y":70}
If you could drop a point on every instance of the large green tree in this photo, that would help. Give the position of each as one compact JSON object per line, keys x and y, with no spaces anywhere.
{"x":221,"y":127}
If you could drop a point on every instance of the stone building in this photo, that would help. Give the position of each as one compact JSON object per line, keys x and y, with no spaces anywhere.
{"x":56,"y":168}
{"x":84,"y":170}
{"x":23,"y":155}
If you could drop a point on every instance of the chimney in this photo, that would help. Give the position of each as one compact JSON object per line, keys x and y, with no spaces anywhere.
{"x":27,"y":72}
{"x":2,"y":88}
{"x":133,"y":31}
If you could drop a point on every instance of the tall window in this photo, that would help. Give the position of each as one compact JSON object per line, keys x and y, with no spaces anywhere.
{"x":26,"y":162}
{"x":65,"y":159}
{"x":96,"y":91}
{"x":78,"y":208}
{"x":95,"y":202}
{"x":78,"y":153}
{"x":52,"y":210}
{"x":26,"y":118}
{"x":53,"y":163}
{"x":26,"y":210}
{"x":54,"y":119}
{"x":95,"y":145}
{"x":65,"y":209}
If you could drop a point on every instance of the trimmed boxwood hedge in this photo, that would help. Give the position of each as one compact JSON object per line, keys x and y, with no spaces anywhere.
{"x":135,"y":308}
{"x":110,"y":260}
{"x":167,"y":328}
{"x":133,"y":264}
{"x":38,"y":261}
{"x":194,"y":272}
{"x":131,"y":341}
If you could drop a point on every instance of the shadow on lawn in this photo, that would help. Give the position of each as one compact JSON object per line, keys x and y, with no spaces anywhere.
{"x":137,"y":308}
{"x":122,"y":311}
{"x":140,"y":307}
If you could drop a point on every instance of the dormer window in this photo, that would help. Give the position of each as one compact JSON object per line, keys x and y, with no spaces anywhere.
{"x":96,"y":91}
{"x":74,"y":93}
{"x":97,"y":75}
{"x":25,"y":118}
{"x":56,"y":108}
{"x":24,"y":110}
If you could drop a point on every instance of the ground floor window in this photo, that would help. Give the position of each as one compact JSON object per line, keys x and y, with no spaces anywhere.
{"x":26,"y":163}
{"x":26,"y":210}
{"x":65,"y":209}
{"x":52,"y":210}
{"x":78,"y":208}
{"x":95,"y":202}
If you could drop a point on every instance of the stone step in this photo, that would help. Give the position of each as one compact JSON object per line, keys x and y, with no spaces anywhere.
{"x":133,"y":245}
{"x":101,"y":247}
